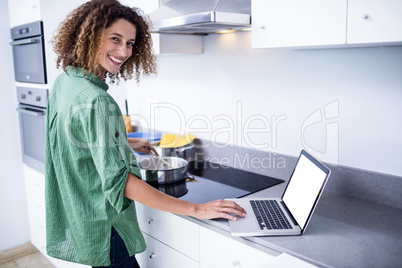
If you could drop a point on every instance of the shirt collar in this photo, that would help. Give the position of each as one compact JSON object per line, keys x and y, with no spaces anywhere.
{"x":78,"y":71}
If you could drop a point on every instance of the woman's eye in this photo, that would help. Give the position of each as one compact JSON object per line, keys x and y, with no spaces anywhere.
{"x":130,"y":44}
{"x":115,"y":39}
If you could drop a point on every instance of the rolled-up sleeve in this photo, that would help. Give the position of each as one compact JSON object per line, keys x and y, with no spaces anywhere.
{"x":112,"y":156}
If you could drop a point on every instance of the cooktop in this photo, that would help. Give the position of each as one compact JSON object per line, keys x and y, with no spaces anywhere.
{"x":207,"y":181}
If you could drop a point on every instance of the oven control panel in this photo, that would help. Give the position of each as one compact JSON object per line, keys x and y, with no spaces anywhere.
{"x":33,"y":96}
{"x":27,"y":30}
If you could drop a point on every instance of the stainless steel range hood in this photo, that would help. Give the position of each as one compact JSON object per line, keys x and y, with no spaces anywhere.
{"x":201,"y":16}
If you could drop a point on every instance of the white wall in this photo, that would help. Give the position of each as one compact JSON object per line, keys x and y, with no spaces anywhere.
{"x":231,"y":88}
{"x":13,"y":208}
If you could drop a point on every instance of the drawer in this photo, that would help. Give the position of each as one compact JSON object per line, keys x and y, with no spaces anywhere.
{"x":219,"y":251}
{"x":34,"y":187}
{"x":35,"y":192}
{"x":38,"y":236}
{"x":159,"y":255}
{"x":170,"y":229}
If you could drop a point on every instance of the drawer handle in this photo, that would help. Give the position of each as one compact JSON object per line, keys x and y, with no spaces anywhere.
{"x":151,"y":221}
{"x":152,"y":256}
{"x":236,"y":263}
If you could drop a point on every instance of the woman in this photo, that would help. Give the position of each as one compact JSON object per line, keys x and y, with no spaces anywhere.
{"x":92,"y":176}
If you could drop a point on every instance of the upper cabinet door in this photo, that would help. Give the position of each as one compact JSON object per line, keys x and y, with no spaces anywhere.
{"x":145,"y":5}
{"x":23,"y":11}
{"x":374,"y":21}
{"x":298,"y":23}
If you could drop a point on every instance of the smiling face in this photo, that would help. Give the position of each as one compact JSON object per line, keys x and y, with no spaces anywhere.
{"x":117,"y":46}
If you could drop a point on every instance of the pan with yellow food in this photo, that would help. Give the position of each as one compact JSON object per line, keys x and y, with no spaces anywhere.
{"x":176,"y":145}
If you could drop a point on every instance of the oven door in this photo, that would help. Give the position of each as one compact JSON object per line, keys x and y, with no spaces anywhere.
{"x":32,"y":129}
{"x":29,"y":60}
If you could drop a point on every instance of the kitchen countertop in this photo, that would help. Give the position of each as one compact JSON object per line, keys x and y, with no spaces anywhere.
{"x":357,"y":222}
{"x":343,"y":232}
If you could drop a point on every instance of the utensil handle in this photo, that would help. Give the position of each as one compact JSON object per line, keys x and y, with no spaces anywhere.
{"x":164,"y":161}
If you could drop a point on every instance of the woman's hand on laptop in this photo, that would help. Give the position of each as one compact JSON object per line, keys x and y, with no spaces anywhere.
{"x":219,"y":209}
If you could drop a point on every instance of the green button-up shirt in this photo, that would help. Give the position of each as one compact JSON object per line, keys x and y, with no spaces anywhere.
{"x":87,"y":163}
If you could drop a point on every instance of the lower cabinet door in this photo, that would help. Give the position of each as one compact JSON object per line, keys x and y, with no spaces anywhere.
{"x":159,"y":255}
{"x":218,"y":251}
{"x":35,"y":193}
{"x":170,"y":229}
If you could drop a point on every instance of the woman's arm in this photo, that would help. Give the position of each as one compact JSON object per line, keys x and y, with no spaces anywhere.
{"x":140,"y":191}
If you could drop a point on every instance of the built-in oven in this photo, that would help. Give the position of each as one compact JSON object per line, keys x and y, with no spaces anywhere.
{"x":29,"y":53}
{"x":32,"y":118}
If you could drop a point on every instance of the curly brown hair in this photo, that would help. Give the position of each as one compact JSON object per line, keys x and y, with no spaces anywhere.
{"x":79,"y":36}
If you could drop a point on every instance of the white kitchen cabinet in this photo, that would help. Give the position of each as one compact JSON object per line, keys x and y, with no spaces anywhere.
{"x":172,"y":230}
{"x":158,"y":255}
{"x":218,"y":251}
{"x":53,"y":13}
{"x":35,"y":192}
{"x":374,"y":21}
{"x":173,"y":241}
{"x":325,"y":23}
{"x":147,"y":6}
{"x":289,"y":23}
{"x":177,"y":44}
{"x":23,"y":11}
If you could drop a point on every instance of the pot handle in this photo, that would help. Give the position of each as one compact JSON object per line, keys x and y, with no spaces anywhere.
{"x":190,"y":177}
{"x":183,"y":149}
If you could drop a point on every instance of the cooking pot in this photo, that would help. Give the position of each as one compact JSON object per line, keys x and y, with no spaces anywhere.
{"x":186,"y":151}
{"x":156,"y":169}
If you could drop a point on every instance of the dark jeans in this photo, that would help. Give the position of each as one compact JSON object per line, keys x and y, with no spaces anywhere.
{"x":119,"y":257}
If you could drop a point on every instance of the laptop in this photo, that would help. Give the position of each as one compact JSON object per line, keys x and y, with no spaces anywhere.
{"x":293,"y":211}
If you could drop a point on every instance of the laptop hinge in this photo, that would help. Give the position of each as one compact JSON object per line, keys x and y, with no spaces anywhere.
{"x":290,"y":214}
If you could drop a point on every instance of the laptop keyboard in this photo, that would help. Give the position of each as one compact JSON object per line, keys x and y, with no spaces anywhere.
{"x":269,"y":214}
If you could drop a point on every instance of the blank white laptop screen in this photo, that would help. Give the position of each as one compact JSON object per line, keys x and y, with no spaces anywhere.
{"x":303,"y":190}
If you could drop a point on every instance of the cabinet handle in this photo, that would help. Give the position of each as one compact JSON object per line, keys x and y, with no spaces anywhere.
{"x":364,"y":16}
{"x":236,"y":263}
{"x":262,"y":27}
{"x":151,"y":221}
{"x":152,"y":256}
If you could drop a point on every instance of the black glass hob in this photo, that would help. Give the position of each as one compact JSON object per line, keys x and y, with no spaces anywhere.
{"x":207,"y":181}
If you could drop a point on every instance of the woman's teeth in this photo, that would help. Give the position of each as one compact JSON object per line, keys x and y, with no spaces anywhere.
{"x":115,"y":59}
